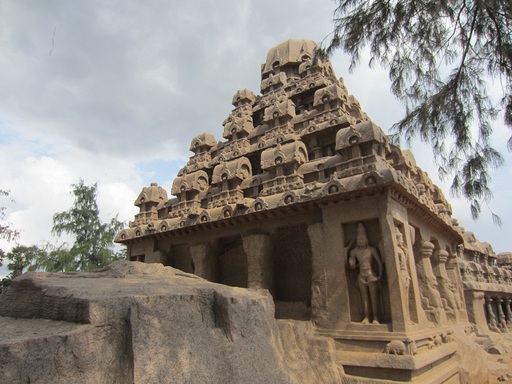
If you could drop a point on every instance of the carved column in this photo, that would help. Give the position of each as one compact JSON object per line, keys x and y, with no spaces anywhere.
{"x":476,"y":310}
{"x":259,"y":268}
{"x":444,"y":283}
{"x":491,"y":317}
{"x":502,"y":323}
{"x":430,"y":297}
{"x":456,"y":281}
{"x":319,"y":292}
{"x":202,"y":257}
{"x":508,"y":312}
{"x":153,"y":255}
{"x":395,"y":254}
{"x":317,"y":152}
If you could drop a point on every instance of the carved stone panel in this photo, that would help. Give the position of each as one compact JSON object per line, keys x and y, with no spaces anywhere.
{"x":367,"y":283}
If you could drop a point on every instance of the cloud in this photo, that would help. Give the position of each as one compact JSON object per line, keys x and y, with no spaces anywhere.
{"x":114,"y":92}
{"x":146,"y":69}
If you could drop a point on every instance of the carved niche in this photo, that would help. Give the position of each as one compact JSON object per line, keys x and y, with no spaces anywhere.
{"x":366,"y":276}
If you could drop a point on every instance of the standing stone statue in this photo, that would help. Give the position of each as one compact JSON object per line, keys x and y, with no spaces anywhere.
{"x":362,"y":256}
{"x":405,"y":278}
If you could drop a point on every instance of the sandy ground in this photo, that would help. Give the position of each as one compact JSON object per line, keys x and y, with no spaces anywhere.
{"x":500,"y":365}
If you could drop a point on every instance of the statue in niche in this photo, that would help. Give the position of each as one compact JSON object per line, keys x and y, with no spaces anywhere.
{"x":367,"y":281}
{"x":405,"y":277}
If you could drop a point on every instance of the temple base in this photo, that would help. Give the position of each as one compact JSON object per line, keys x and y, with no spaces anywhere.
{"x":391,"y":357}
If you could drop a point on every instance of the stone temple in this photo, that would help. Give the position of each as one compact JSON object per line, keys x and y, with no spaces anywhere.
{"x":307,"y":198}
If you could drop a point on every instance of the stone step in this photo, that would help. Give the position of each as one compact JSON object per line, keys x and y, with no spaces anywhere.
{"x":433,"y":366}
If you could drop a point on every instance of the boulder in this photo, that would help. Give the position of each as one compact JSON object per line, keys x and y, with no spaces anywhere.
{"x":145,"y":323}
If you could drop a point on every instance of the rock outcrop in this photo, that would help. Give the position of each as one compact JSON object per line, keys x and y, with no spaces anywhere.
{"x":146,"y":323}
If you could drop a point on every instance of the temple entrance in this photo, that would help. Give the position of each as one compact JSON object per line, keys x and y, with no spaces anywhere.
{"x":180,"y":258}
{"x":291,"y":255}
{"x":231,"y":262}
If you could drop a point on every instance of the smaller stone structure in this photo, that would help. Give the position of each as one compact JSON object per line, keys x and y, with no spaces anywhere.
{"x":487,"y":280}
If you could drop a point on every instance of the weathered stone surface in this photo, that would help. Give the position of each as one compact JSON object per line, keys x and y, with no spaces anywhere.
{"x":145,"y":323}
{"x":47,"y":351}
{"x":472,"y":359}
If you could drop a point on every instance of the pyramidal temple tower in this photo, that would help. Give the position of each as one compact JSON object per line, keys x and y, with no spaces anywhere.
{"x":308,"y":198}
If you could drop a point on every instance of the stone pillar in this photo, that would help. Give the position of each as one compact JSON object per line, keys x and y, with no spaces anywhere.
{"x":319,"y":292}
{"x":455,"y":279}
{"x":508,"y":312}
{"x":204,"y":263}
{"x":444,"y":283}
{"x":395,"y":257}
{"x":317,"y":151}
{"x":152,"y":255}
{"x":476,"y":310}
{"x":502,"y":323}
{"x":259,"y":267}
{"x":491,"y":317}
{"x":430,"y":297}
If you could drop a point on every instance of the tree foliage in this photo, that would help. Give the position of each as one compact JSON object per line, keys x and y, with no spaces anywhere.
{"x":93,"y":245}
{"x":440,"y":56}
{"x":6,"y":231}
{"x":16,"y":257}
{"x":21,"y":259}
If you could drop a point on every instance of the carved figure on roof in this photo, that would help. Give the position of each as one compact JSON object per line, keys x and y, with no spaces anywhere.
{"x":362,"y":256}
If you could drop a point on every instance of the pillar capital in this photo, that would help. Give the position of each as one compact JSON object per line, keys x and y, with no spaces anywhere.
{"x":427,"y":249}
{"x":442,"y":256}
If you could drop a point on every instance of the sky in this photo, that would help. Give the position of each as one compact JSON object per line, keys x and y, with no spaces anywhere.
{"x":113,"y":91}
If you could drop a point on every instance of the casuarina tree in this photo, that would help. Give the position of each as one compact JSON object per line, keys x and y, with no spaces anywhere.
{"x":93,"y":245}
{"x":6,"y":230}
{"x":442,"y":57}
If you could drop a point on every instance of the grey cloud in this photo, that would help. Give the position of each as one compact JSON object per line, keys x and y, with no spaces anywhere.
{"x":138,"y":79}
{"x":128,"y":76}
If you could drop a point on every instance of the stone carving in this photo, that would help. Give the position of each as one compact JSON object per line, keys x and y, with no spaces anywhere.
{"x":491,"y":317}
{"x":395,"y":347}
{"x":430,"y":297}
{"x":485,"y":273}
{"x":502,"y":323}
{"x":505,"y":260}
{"x":367,"y":281}
{"x":303,"y":154}
{"x":454,"y":281}
{"x":508,"y":312}
{"x":447,"y":337}
{"x":413,"y":348}
{"x":445,"y":287}
{"x":405,"y":277}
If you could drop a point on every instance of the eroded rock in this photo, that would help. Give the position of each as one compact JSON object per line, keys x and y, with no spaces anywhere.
{"x":145,"y":323}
